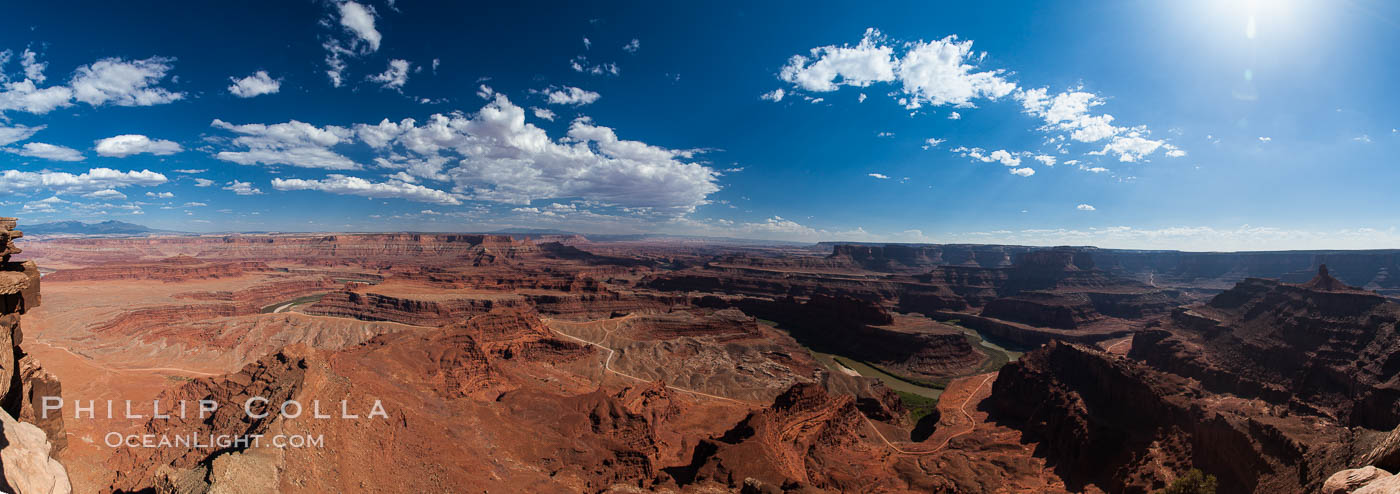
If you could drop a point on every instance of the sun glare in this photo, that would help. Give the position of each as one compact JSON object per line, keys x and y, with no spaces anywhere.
{"x":1256,"y":18}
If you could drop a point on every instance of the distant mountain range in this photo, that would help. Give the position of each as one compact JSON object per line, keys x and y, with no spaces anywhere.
{"x":110,"y":227}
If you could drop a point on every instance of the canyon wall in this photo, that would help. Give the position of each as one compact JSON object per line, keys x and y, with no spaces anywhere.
{"x":1269,"y":386}
{"x":1318,"y":348}
{"x":1371,"y":269}
{"x":328,"y":249}
{"x":1122,"y":426}
{"x":173,"y":269}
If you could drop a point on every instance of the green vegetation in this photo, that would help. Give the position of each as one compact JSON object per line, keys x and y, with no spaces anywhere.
{"x":1193,"y":482}
{"x":348,"y":280}
{"x":294,"y":302}
{"x":918,"y":406}
{"x":1000,"y":355}
{"x":929,"y":389}
{"x":892,"y":381}
{"x":835,"y":363}
{"x":997,"y":358}
{"x":179,"y":378}
{"x":936,"y":384}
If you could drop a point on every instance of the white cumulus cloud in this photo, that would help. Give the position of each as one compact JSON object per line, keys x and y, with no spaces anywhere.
{"x":1130,"y":148}
{"x":106,"y":195}
{"x":242,"y":188}
{"x":124,"y":83}
{"x":27,"y":97}
{"x":91,"y":180}
{"x":292,"y":143}
{"x":936,"y":73}
{"x":1085,"y":207}
{"x":33,"y":68}
{"x":255,"y":85}
{"x":359,"y":20}
{"x":1002,"y":156}
{"x":502,"y":158}
{"x":393,"y":77}
{"x":126,"y":145}
{"x":1069,"y":112}
{"x":826,"y":68}
{"x":356,"y":21}
{"x":12,"y":134}
{"x":392,"y":189}
{"x":570,"y":96}
{"x":107,"y":81}
{"x":47,"y":151}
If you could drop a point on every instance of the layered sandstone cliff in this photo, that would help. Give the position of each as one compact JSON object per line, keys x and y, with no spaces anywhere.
{"x":913,"y":347}
{"x":1122,"y":426}
{"x":1319,"y":347}
{"x":1371,"y":269}
{"x":1270,"y":387}
{"x":173,"y":269}
{"x":328,"y":250}
{"x":1060,"y":290}
{"x":30,"y":445}
{"x":412,"y":304}
{"x":806,"y":439}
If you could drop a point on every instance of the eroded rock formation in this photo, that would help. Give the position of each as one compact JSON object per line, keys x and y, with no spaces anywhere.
{"x":173,"y":269}
{"x":29,"y":449}
{"x":484,"y":397}
{"x":807,"y":438}
{"x":1270,"y":386}
{"x":1319,"y":348}
{"x":330,"y":250}
{"x":1207,"y":271}
{"x":1124,"y":427}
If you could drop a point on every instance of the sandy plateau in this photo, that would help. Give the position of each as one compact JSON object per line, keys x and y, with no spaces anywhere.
{"x":556,"y":364}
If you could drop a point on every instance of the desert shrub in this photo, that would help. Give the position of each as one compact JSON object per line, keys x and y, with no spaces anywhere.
{"x":1193,"y":482}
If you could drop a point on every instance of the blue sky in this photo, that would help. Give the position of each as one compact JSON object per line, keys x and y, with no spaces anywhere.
{"x":1188,"y":125}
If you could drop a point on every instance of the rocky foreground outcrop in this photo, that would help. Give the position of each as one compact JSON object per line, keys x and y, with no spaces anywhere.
{"x":807,"y":438}
{"x":28,"y":449}
{"x":1122,"y":426}
{"x":1367,"y":480}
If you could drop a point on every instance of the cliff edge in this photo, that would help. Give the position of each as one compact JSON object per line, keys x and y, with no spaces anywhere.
{"x":29,"y":443}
